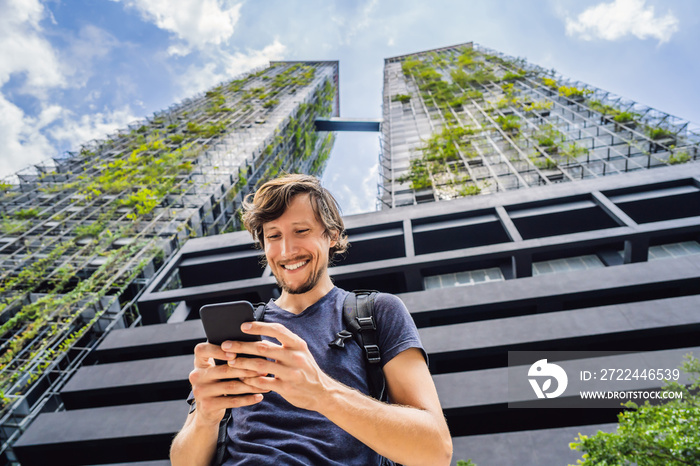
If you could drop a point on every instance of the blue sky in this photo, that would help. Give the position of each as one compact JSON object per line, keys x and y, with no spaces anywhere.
{"x":74,"y":70}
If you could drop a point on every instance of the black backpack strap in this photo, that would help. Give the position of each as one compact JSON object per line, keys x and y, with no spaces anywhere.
{"x":221,"y":440}
{"x":259,"y":314}
{"x":358,"y":316}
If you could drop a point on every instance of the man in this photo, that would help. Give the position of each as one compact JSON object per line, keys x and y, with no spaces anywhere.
{"x":307,"y":402}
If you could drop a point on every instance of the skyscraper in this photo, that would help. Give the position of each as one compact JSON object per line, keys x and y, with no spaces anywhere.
{"x":82,"y":233}
{"x":466,"y":120}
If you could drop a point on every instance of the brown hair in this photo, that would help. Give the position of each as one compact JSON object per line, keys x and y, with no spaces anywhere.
{"x":271,"y":200}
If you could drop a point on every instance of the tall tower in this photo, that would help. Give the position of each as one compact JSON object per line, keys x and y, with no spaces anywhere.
{"x":82,"y":234}
{"x":465,"y":120}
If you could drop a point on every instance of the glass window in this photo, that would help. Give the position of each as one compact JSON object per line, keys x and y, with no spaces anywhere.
{"x":473,"y":277}
{"x":567,"y":265}
{"x":673,"y":250}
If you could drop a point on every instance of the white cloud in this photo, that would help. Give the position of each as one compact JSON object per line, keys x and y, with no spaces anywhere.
{"x":40,"y":70}
{"x":350,"y":23}
{"x":197,"y":23}
{"x":28,"y":140}
{"x":355,"y":193}
{"x":73,"y":131}
{"x":224,"y":66}
{"x":612,"y":21}
{"x":91,"y":43}
{"x":22,"y":142}
{"x":24,"y":50}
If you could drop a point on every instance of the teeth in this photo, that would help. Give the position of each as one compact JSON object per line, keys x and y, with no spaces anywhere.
{"x":294,"y":266}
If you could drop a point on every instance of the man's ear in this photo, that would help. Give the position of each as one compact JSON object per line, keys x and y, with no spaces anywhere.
{"x":333,"y":234}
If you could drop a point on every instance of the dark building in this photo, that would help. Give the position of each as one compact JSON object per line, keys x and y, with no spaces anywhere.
{"x":606,"y":263}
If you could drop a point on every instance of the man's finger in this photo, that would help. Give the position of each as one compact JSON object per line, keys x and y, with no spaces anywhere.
{"x":204,"y":352}
{"x":224,"y":402}
{"x":233,"y":372}
{"x":239,"y":387}
{"x":263,"y":384}
{"x":274,"y":330}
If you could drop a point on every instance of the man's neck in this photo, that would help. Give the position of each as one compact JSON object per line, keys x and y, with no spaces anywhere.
{"x":296,"y":303}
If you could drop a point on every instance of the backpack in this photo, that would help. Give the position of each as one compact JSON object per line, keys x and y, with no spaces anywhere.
{"x":358,"y":317}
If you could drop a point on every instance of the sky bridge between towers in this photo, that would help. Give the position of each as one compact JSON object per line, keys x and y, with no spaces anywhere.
{"x":348,"y":124}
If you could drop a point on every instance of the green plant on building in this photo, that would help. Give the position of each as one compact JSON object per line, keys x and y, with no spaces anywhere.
{"x":153,"y":163}
{"x":403,"y":98}
{"x":548,"y":138}
{"x":573,"y":151}
{"x":573,"y":92}
{"x":660,"y":133}
{"x":509,"y":123}
{"x":678,"y":158}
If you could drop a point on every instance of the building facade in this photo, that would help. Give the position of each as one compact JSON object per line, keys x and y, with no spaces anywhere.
{"x":82,"y":234}
{"x":609,"y":264}
{"x":466,"y":120}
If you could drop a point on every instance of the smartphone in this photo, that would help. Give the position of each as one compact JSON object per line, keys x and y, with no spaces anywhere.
{"x":222,"y":322}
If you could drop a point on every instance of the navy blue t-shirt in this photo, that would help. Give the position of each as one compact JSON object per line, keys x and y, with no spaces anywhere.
{"x":275,"y":432}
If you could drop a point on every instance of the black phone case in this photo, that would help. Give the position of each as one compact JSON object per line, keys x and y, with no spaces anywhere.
{"x":222,"y":322}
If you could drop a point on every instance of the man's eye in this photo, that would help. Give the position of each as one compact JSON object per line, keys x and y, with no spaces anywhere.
{"x":303,"y":231}
{"x":273,"y":236}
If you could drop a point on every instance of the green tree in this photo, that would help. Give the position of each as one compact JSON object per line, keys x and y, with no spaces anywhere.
{"x":667,"y":434}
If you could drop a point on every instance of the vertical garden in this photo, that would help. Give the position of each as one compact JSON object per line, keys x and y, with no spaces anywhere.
{"x":81,"y":235}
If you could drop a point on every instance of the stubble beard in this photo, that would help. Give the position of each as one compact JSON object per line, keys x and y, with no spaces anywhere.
{"x":305,"y":287}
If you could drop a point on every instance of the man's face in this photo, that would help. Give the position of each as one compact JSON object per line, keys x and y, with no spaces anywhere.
{"x":296,"y":247}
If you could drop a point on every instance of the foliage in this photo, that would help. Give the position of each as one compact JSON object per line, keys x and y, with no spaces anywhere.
{"x":651,"y":435}
{"x":624,"y":117}
{"x":26,"y":214}
{"x":544,"y":163}
{"x":208,"y":130}
{"x":538,"y":105}
{"x":91,"y":229}
{"x":465,"y":463}
{"x":296,"y":75}
{"x":469,"y":190}
{"x":548,"y":136}
{"x":10,"y":226}
{"x":659,"y":133}
{"x":510,"y":76}
{"x":176,"y":138}
{"x":143,"y":201}
{"x":509,"y":123}
{"x":572,"y":91}
{"x":403,"y":98}
{"x":678,"y":158}
{"x":4,"y":187}
{"x":604,"y":109}
{"x":573,"y":151}
{"x":467,"y":58}
{"x":549,"y":82}
{"x":436,"y":155}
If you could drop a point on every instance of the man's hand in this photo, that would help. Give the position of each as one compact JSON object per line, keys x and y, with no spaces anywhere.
{"x":211,"y":392}
{"x":297,"y":376}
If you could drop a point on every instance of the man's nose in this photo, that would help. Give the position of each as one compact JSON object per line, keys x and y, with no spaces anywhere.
{"x":288,"y":247}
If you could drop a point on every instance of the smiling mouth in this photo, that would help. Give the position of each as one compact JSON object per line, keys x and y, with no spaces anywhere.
{"x":295,"y":265}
